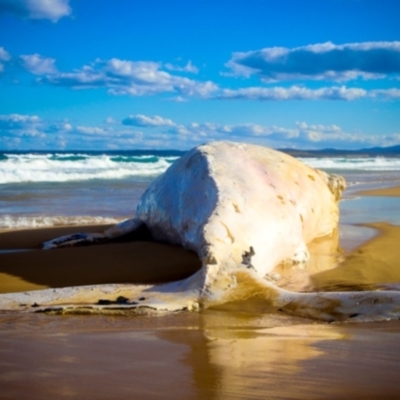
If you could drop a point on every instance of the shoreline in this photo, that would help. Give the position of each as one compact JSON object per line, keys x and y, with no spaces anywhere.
{"x":211,"y":354}
{"x":392,"y":191}
{"x":373,"y":264}
{"x":140,"y":261}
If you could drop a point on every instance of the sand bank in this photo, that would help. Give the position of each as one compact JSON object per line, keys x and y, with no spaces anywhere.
{"x":387,"y":192}
{"x":137,"y":261}
{"x":374,"y":263}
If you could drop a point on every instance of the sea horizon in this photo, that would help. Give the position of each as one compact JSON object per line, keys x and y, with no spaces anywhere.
{"x":390,"y":151}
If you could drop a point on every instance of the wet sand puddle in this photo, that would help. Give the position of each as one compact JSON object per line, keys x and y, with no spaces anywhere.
{"x":215,"y":354}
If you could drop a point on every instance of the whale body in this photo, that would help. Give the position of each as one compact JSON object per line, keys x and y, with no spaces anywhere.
{"x":241,"y":206}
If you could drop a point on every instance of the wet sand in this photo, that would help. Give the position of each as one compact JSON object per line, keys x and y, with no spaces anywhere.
{"x":387,"y":192}
{"x":210,"y":355}
{"x":136,"y":261}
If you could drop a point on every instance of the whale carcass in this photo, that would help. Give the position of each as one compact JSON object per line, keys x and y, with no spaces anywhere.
{"x":244,"y":209}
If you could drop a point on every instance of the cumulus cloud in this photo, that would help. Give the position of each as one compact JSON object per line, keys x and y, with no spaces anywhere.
{"x":18,"y":121}
{"x":145,"y":121}
{"x":37,"y":9}
{"x":144,"y":78}
{"x":278,"y":93}
{"x":91,"y":130}
{"x":388,"y":94}
{"x":135,"y":78}
{"x":17,"y":126}
{"x":189,"y":67}
{"x":293,"y":93}
{"x":302,"y":135}
{"x":211,"y":131}
{"x":40,"y":133}
{"x":321,"y":133}
{"x":4,"y":57}
{"x":334,"y":136}
{"x":325,"y":61}
{"x":38,"y":65}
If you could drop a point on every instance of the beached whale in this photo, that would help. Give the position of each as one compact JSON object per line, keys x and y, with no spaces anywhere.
{"x":244,"y":210}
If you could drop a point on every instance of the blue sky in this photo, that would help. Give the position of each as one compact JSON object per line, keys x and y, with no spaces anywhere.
{"x":129,"y":74}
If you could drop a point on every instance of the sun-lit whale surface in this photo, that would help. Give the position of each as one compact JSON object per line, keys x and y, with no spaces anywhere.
{"x":244,"y":209}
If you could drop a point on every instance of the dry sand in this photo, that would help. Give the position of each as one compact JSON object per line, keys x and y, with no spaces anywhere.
{"x":208,"y":355}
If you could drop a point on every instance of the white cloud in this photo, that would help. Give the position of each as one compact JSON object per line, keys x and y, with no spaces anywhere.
{"x":303,"y":135}
{"x":325,"y":133}
{"x":165,"y":133}
{"x":144,"y":78}
{"x":15,"y":126}
{"x":293,"y":93}
{"x":4,"y":56}
{"x":212,"y":131}
{"x":18,"y":121}
{"x":189,"y":67}
{"x":334,"y":136}
{"x":278,"y":93}
{"x":38,"y":65}
{"x":37,"y":9}
{"x":144,"y":121}
{"x":389,"y":94}
{"x":91,"y":130}
{"x":110,"y":120}
{"x":135,"y":78}
{"x":324,"y":61}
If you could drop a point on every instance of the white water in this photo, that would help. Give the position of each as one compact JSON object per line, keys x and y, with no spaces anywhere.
{"x":354,"y":163}
{"x":18,"y":168}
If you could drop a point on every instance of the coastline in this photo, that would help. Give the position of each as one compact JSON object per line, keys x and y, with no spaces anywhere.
{"x":24,"y":266}
{"x":212,"y":354}
{"x":393,"y":191}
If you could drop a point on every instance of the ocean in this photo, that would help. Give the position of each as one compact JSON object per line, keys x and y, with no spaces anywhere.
{"x":42,"y":189}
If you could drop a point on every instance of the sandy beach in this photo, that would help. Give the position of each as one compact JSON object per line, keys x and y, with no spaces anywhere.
{"x":135,"y":261}
{"x":213,"y":354}
{"x":386,"y":192}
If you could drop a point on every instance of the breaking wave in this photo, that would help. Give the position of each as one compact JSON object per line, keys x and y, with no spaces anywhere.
{"x":18,"y":168}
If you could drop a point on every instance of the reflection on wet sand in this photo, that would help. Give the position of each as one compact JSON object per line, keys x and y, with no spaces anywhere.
{"x":325,"y":255}
{"x":374,"y":263}
{"x":212,"y":355}
{"x":250,"y":361}
{"x":228,"y":353}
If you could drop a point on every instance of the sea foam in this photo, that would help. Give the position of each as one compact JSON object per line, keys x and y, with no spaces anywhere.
{"x":43,"y":221}
{"x":354,"y":163}
{"x":18,"y":168}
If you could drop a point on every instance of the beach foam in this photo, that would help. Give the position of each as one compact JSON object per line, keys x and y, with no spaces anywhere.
{"x":354,"y":163}
{"x":79,"y":166}
{"x":15,"y":168}
{"x":41,"y":221}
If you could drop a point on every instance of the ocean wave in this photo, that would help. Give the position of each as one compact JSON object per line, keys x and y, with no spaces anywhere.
{"x":80,"y":166}
{"x":43,"y":221}
{"x":354,"y":163}
{"x":16,"y":168}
